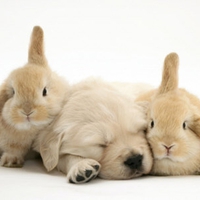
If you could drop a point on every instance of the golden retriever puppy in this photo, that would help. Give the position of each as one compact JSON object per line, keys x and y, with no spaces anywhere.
{"x":100,"y":131}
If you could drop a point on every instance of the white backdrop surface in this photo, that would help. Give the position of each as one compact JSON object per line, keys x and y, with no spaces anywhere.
{"x":118,"y":40}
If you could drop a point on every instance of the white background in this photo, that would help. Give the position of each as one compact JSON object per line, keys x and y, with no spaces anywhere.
{"x":118,"y":40}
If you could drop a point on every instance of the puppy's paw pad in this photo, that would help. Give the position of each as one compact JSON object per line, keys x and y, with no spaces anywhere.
{"x":80,"y":178}
{"x":88,"y":173}
{"x":9,"y":160}
{"x":96,"y":167}
{"x":84,"y":171}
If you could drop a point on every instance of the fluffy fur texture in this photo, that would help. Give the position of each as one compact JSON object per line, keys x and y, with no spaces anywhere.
{"x":174,"y":125}
{"x":30,"y":98}
{"x":100,"y":131}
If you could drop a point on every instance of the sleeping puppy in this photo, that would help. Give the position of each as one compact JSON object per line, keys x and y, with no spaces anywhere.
{"x":100,"y":131}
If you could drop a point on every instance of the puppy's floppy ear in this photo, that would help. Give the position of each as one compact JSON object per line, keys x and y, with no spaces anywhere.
{"x":36,"y":50}
{"x":170,"y":74}
{"x":49,"y":150}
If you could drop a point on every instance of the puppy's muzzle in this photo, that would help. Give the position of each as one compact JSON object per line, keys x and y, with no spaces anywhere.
{"x":134,"y":162}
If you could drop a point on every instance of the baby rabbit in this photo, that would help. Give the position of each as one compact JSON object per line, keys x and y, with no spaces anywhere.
{"x":174,"y":125}
{"x":30,"y":98}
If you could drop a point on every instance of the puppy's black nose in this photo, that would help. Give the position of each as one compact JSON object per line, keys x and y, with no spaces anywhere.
{"x":134,"y":162}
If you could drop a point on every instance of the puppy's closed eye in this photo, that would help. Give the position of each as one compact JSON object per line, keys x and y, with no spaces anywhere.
{"x":103,"y":145}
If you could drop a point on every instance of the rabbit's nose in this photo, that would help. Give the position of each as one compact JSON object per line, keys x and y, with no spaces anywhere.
{"x":28,"y":114}
{"x":168,"y":148}
{"x":134,"y":162}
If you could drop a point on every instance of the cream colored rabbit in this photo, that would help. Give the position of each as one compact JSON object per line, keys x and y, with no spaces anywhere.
{"x":174,"y":125}
{"x":30,"y":98}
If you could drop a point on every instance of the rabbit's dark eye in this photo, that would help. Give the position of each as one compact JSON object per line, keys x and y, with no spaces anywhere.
{"x":12,"y":92}
{"x":184,"y":125}
{"x":44,"y":93}
{"x":152,"y":124}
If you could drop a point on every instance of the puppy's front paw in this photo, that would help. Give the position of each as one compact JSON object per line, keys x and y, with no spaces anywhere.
{"x":84,"y":171}
{"x":9,"y":160}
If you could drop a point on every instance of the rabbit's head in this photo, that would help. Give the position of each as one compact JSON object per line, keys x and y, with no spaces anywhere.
{"x":32,"y":95}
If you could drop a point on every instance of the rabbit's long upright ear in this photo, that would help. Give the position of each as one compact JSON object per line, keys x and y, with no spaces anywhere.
{"x":170,"y":74}
{"x":36,"y":53}
{"x":49,"y":150}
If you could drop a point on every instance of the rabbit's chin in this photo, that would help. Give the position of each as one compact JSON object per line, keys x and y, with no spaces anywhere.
{"x":171,"y":158}
{"x":31,"y":125}
{"x":169,"y":167}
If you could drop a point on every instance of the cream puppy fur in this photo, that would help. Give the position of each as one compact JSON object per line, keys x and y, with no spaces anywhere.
{"x":100,"y":131}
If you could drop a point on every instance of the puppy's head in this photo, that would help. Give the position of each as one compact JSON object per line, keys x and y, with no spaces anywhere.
{"x":128,"y":154}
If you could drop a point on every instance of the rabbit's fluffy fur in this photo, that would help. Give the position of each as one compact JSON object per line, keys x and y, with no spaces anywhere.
{"x":174,"y":124}
{"x":100,"y":131}
{"x":30,"y":98}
